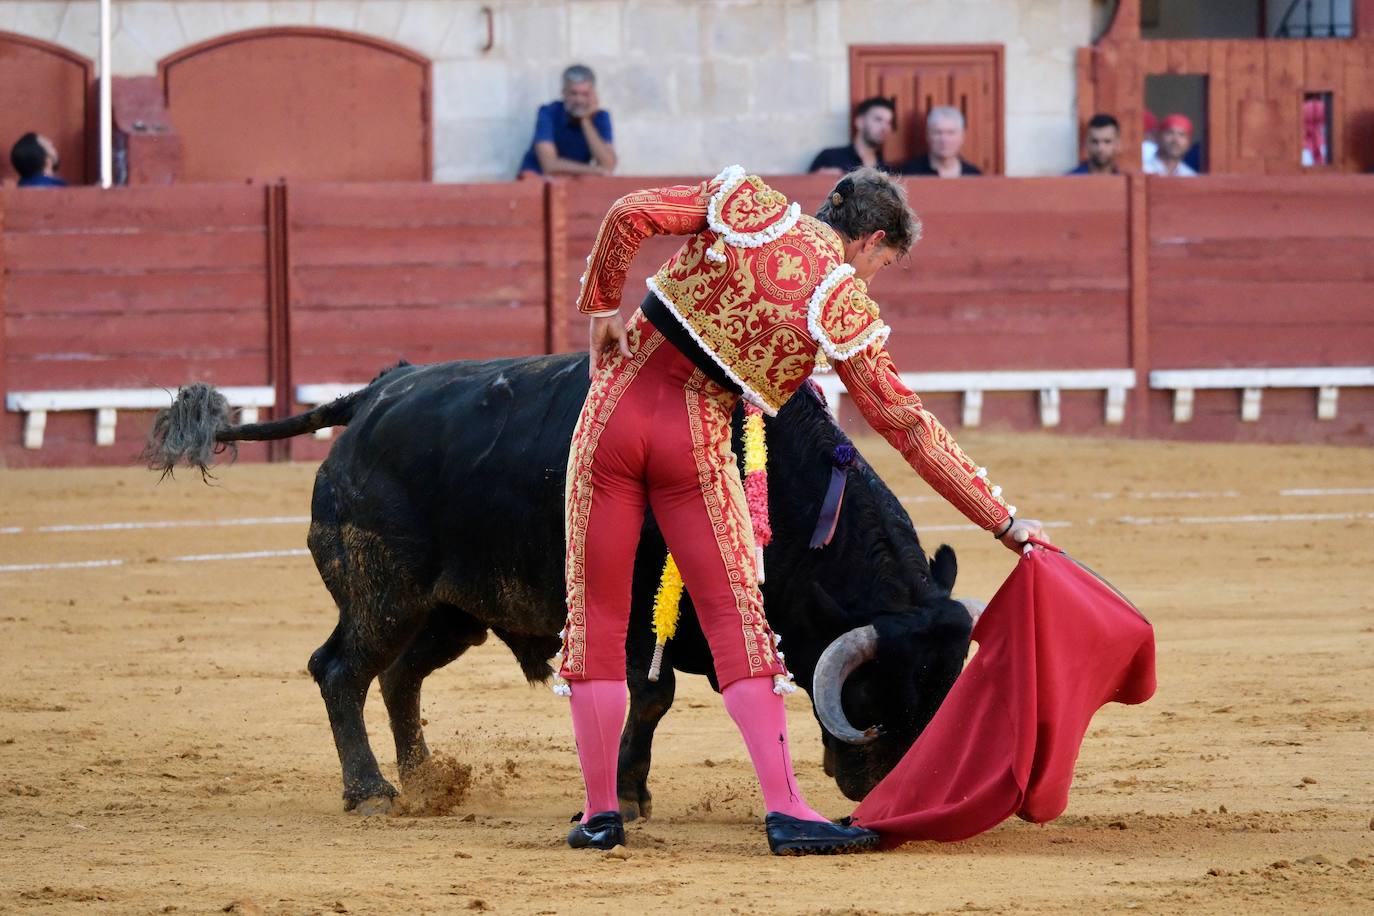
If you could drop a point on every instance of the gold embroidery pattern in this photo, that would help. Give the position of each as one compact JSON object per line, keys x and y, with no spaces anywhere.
{"x":752,"y":206}
{"x":709,"y":412}
{"x":850,"y":318}
{"x":790,"y":271}
{"x":607,"y":389}
{"x":754,"y":323}
{"x":678,"y":210}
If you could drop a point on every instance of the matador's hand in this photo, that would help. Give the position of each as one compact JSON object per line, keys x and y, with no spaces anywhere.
{"x":1021,"y":531}
{"x":607,"y":335}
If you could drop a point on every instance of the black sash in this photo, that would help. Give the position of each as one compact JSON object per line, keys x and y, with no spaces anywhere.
{"x":668,"y":325}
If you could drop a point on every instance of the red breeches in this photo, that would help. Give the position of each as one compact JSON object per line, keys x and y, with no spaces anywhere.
{"x":655,"y":433}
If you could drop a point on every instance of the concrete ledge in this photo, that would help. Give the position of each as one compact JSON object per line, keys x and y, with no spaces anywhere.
{"x":323,"y":393}
{"x":1328,"y":380}
{"x":1048,"y":383}
{"x":107,"y":402}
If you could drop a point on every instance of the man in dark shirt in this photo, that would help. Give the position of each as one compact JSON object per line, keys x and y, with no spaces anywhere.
{"x":1103,"y":146}
{"x":572,"y":136}
{"x":35,"y":159}
{"x":944,"y":140}
{"x":874,"y":120}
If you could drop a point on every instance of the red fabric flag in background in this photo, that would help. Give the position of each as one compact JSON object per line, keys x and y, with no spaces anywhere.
{"x":1055,"y":644}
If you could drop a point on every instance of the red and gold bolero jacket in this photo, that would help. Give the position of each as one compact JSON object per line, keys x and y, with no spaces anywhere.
{"x":764,"y":289}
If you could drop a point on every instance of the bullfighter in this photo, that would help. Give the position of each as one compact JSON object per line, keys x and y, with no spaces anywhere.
{"x":755,"y":298}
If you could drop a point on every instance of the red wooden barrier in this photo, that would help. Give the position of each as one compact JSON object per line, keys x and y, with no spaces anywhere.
{"x":416,"y":271}
{"x":254,"y":285}
{"x":132,"y":288}
{"x":1249,"y":272}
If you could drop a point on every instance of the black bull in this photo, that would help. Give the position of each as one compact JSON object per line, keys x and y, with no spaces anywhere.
{"x":438,"y":516}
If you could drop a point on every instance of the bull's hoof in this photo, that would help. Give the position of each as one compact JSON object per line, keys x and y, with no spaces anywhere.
{"x":374,"y":805}
{"x":632,"y":809}
{"x":369,"y":798}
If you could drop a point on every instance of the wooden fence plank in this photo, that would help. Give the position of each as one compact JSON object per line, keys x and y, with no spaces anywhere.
{"x":1284,"y":79}
{"x":179,"y":207}
{"x":1221,"y":134}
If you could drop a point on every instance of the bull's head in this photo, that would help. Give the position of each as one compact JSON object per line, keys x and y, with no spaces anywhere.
{"x":878,"y":684}
{"x":870,"y":629}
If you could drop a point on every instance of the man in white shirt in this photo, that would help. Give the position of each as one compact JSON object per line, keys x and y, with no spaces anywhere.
{"x":1175,"y":136}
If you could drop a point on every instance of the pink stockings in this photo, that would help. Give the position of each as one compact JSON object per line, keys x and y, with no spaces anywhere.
{"x":762,"y":720}
{"x":598,"y":714}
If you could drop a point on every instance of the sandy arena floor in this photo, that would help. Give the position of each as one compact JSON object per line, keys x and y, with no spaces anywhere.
{"x":163,"y":750}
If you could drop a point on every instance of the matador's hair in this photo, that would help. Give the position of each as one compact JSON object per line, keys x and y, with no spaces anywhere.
{"x":867,"y":200}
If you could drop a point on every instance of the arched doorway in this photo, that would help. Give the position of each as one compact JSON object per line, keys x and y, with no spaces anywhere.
{"x":315,"y":104}
{"x":47,"y":89}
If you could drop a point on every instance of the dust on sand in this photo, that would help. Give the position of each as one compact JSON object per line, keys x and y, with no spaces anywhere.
{"x":162,"y":748}
{"x":436,"y":787}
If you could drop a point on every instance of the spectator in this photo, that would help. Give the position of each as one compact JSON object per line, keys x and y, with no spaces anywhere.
{"x":572,"y":136}
{"x":874,"y":120}
{"x":1175,"y":136}
{"x":35,"y":159}
{"x":1104,"y":144}
{"x":944,"y":140}
{"x":1149,"y":147}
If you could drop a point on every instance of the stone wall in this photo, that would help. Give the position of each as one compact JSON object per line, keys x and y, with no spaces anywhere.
{"x":691,"y":85}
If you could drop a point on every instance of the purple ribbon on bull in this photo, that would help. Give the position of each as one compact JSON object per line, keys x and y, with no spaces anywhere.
{"x":841,"y":459}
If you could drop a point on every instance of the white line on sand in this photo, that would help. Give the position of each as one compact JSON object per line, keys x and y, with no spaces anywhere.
{"x":1248,"y":519}
{"x":925,"y":498}
{"x":1125,"y":520}
{"x":189,"y":558}
{"x":74,"y":564}
{"x":969,"y":527}
{"x":1105,"y":496}
{"x":183,"y":523}
{"x":246,"y":555}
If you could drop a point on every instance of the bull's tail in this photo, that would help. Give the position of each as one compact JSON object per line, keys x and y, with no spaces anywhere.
{"x":197,"y":427}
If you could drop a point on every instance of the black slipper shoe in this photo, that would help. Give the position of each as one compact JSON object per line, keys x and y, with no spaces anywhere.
{"x":602,"y":831}
{"x":788,"y":836}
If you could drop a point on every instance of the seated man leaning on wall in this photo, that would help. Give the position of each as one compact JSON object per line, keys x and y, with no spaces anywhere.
{"x":874,"y":120}
{"x":1103,"y":144}
{"x":35,"y":159}
{"x":572,"y":136}
{"x":945,"y":140}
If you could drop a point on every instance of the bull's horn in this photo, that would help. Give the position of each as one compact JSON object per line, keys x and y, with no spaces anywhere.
{"x":837,"y":662}
{"x":974,"y":607}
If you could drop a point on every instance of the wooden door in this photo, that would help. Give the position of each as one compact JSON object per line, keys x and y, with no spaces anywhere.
{"x":312,"y":104}
{"x":46,"y":90}
{"x":921,"y":77}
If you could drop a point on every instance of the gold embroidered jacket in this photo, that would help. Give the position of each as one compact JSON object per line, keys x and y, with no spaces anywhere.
{"x":764,"y":289}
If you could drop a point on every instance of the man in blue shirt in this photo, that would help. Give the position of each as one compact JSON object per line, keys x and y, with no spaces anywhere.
{"x":35,"y":159}
{"x":572,"y":136}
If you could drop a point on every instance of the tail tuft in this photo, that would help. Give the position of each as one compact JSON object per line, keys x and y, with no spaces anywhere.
{"x":184,"y":433}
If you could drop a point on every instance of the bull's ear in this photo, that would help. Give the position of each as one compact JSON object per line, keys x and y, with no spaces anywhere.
{"x":945,"y":567}
{"x":829,"y":610}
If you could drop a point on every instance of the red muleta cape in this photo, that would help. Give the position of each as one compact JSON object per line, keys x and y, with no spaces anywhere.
{"x":1055,"y":644}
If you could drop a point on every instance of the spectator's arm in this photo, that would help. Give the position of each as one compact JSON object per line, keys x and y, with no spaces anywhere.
{"x":899,"y":416}
{"x":597,"y":130}
{"x":679,"y":210}
{"x":554,"y":164}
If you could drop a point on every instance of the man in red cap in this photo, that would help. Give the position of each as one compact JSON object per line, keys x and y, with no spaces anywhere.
{"x":1175,"y":136}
